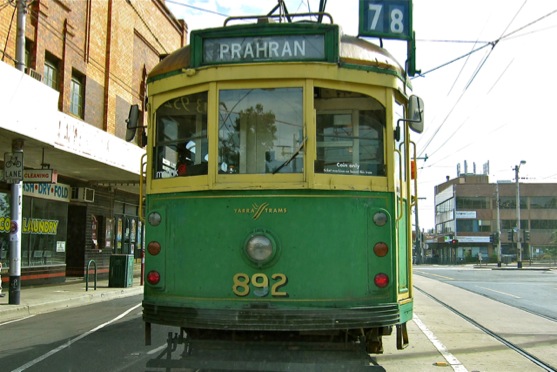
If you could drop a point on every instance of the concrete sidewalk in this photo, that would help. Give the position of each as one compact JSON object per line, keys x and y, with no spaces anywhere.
{"x":43,"y":299}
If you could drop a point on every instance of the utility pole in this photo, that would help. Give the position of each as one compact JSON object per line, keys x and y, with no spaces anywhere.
{"x":518,"y":233}
{"x":498,"y":226}
{"x":17,"y":187}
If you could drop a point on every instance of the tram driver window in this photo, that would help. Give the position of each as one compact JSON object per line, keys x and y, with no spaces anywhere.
{"x":350,"y":130}
{"x":260,"y":131}
{"x":181,"y":137}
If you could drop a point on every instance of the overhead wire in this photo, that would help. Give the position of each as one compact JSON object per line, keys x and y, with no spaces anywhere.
{"x":480,"y":66}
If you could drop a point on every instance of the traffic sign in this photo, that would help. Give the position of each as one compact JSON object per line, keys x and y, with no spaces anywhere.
{"x":13,"y":167}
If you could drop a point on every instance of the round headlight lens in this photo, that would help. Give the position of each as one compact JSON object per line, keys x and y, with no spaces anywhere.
{"x":259,"y":248}
{"x":380,"y":218}
{"x":154,"y":219}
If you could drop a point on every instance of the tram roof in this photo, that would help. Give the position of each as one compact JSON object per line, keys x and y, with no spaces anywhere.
{"x":353,"y":52}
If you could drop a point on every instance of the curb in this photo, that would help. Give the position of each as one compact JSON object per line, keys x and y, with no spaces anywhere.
{"x":12,"y":312}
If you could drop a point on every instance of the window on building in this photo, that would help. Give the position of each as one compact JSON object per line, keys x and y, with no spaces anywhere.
{"x":472,"y":203}
{"x":511,"y":224}
{"x":467,"y":226}
{"x":509,"y":202}
{"x":543,"y":225}
{"x":77,"y":94}
{"x":51,"y":72}
{"x":543,"y":202}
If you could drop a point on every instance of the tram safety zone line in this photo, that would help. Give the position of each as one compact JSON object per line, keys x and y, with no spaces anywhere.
{"x":450,"y":358}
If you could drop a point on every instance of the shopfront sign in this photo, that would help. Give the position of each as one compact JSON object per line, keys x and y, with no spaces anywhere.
{"x":50,"y":191}
{"x":40,"y":176}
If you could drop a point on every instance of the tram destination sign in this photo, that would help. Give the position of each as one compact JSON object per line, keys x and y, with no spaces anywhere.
{"x":389,"y":19}
{"x":265,"y":43}
{"x":267,"y":48}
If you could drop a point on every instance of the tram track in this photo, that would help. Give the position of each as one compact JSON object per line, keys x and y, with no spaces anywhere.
{"x":529,"y":356}
{"x":508,"y":303}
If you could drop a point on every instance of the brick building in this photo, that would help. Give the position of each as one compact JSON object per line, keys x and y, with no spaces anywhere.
{"x":86,"y":63}
{"x":466,"y":210}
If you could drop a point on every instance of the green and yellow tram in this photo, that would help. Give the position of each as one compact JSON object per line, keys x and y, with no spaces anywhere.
{"x":279,"y":185}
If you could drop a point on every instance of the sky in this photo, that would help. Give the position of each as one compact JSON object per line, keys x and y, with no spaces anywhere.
{"x":487,"y":80}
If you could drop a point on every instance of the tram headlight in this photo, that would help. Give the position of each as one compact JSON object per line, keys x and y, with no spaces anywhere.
{"x":380,"y":249}
{"x":380,"y":218}
{"x":154,"y":218}
{"x":154,"y":248}
{"x":259,"y":248}
{"x":381,"y":280}
{"x":153,"y":277}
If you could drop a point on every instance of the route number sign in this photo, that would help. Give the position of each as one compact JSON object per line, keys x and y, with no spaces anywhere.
{"x":389,"y":19}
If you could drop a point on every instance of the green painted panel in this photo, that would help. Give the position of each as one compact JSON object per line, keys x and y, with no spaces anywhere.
{"x":324,"y":246}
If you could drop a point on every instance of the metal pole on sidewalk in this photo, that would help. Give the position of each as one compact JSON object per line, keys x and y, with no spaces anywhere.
{"x":17,"y":187}
{"x":15,"y":233}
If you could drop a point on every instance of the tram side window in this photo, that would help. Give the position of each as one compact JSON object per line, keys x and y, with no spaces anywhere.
{"x":181,"y":146}
{"x":350,"y":130}
{"x":260,"y":131}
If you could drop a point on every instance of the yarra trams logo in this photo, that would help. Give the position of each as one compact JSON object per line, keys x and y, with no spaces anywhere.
{"x":257,"y":210}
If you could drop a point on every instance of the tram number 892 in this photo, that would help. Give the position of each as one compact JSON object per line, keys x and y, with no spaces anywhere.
{"x":243,"y":283}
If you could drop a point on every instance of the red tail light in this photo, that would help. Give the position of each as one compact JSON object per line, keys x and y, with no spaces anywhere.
{"x":153,"y":277}
{"x":381,"y":280}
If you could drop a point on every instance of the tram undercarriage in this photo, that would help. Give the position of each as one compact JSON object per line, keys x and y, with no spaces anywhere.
{"x":347,"y":350}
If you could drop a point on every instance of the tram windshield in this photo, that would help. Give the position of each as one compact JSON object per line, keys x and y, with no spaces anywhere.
{"x":260,"y":130}
{"x":181,"y":137}
{"x":350,"y":130}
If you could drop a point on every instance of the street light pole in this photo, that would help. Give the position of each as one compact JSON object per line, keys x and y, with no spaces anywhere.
{"x":518,"y":234}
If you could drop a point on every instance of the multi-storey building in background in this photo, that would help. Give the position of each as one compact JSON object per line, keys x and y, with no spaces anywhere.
{"x":86,"y":63}
{"x":468,"y":217}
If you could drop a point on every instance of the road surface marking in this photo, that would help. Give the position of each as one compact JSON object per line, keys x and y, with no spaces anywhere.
{"x":493,"y":290}
{"x":16,"y":320}
{"x":450,"y":358}
{"x":70,"y":342}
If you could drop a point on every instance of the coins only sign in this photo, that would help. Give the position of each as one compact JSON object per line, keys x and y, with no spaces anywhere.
{"x":13,"y":167}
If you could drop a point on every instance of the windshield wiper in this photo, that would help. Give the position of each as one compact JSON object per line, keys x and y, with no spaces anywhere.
{"x":294,"y":155}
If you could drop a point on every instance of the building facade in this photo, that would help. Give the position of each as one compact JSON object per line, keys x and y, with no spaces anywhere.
{"x":470,"y":211}
{"x":86,"y":63}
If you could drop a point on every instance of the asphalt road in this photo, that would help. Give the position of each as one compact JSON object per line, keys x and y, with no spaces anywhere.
{"x":530,"y":290}
{"x":106,"y":336}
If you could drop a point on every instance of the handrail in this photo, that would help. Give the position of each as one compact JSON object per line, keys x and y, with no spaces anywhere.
{"x":141,"y":179}
{"x":415,"y":201}
{"x":399,"y":213}
{"x":87,"y":275}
